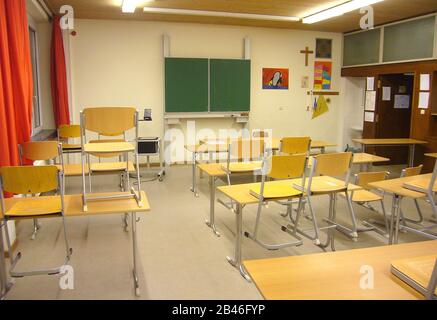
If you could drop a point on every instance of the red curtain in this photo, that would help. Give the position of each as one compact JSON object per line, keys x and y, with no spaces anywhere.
{"x":16,"y":85}
{"x":59,"y":76}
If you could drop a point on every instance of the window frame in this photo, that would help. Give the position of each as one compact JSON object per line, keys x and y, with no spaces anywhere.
{"x":33,"y":27}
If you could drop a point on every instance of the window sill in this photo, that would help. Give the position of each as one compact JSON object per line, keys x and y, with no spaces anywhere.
{"x":45,"y":135}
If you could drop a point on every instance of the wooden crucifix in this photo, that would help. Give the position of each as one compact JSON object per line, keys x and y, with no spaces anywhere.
{"x":307,"y":52}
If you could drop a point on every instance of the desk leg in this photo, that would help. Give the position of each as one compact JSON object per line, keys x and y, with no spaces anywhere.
{"x":394,"y":220}
{"x":411,"y":155}
{"x":211,"y":222}
{"x":135,"y":254}
{"x":236,"y":261}
{"x":4,"y":284}
{"x":193,"y":186}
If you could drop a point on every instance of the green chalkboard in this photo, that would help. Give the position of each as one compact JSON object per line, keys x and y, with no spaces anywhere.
{"x":230,"y":85}
{"x":186,"y":85}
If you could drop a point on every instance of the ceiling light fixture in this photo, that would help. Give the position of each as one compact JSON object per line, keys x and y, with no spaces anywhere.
{"x":129,"y":6}
{"x":338,"y":10}
{"x":220,"y":14}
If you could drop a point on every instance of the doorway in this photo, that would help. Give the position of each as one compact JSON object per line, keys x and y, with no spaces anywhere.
{"x":393,"y":118}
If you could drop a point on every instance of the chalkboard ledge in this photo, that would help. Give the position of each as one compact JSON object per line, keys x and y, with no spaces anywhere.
{"x":203,"y":115}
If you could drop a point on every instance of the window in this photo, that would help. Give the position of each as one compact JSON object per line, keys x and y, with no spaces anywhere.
{"x":36,"y":102}
{"x":362,"y":48}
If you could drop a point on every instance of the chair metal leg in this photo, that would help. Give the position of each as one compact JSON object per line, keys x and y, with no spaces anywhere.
{"x":316,"y":236}
{"x":254,"y":237}
{"x":135,"y":255}
{"x":84,"y":195}
{"x":5,"y":285}
{"x":193,"y":168}
{"x":36,"y":228}
{"x":52,"y":271}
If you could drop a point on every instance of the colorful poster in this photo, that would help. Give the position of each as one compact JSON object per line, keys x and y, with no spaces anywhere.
{"x":320,"y":107}
{"x":322,"y":75}
{"x":275,"y":78}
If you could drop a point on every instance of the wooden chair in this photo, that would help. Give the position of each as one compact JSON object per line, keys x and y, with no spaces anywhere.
{"x":65,"y":134}
{"x":244,"y":156}
{"x":330,"y":165}
{"x":109,"y":121}
{"x":279,"y":167}
{"x":411,"y":172}
{"x":295,"y":145}
{"x":260,"y":134}
{"x":366,"y":196}
{"x":40,"y":151}
{"x":290,"y":146}
{"x":428,"y":187}
{"x":30,"y":180}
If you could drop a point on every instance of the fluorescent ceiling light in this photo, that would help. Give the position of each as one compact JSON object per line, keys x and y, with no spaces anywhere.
{"x":220,"y":14}
{"x":129,"y":6}
{"x":338,"y":10}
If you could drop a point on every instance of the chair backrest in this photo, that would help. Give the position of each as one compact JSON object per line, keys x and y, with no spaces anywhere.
{"x":40,"y":151}
{"x":364,"y":178}
{"x":69,"y":131}
{"x":260,"y":134}
{"x":109,"y":121}
{"x":295,"y":145}
{"x":285,"y":166}
{"x":332,"y":164}
{"x":29,"y":179}
{"x":246,"y":149}
{"x":413,"y":171}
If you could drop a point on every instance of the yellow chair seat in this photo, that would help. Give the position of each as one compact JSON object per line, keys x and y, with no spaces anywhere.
{"x":112,"y":166}
{"x":109,"y":147}
{"x":40,"y":206}
{"x":243,"y":166}
{"x":365,"y":196}
{"x":325,"y":186}
{"x":272,"y":191}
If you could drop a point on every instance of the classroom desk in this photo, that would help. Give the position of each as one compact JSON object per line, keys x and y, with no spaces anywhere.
{"x":74,"y":208}
{"x":241,"y":195}
{"x":337,"y":275}
{"x":215,"y":148}
{"x":411,"y":143}
{"x":397,"y":189}
{"x":215,"y":171}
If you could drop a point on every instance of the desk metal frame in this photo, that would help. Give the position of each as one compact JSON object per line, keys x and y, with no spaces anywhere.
{"x":411,"y":146}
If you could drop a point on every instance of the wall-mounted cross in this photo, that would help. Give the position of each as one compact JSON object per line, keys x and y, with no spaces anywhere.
{"x":307,"y":52}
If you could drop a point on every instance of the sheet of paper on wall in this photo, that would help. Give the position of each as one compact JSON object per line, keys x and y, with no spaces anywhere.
{"x":370,"y":83}
{"x":402,"y":101}
{"x":369,"y":117}
{"x":386,"y":93}
{"x":424,"y":82}
{"x":424,"y":100}
{"x":370,"y":100}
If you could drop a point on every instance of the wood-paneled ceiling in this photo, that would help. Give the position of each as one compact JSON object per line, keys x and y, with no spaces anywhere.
{"x":385,"y":12}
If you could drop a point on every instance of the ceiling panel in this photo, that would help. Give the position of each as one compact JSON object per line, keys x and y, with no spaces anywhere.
{"x":387,"y":11}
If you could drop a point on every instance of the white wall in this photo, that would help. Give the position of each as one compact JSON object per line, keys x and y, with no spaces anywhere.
{"x":121,"y":63}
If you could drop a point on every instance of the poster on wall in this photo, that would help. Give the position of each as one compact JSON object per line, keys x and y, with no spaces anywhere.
{"x":322,"y":75}
{"x":275,"y":78}
{"x":324,"y":48}
{"x":320,"y":107}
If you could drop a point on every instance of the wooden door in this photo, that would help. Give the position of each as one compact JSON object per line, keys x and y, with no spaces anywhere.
{"x":393,"y":118}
